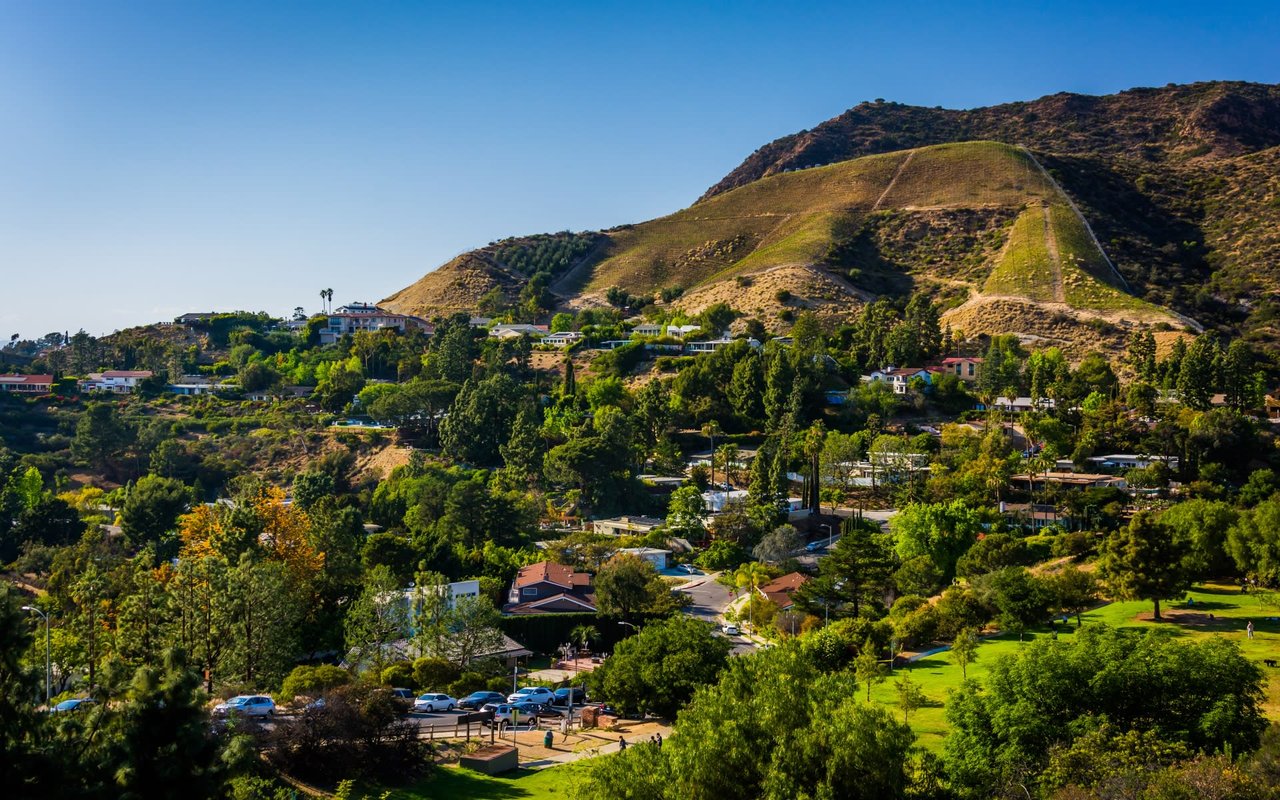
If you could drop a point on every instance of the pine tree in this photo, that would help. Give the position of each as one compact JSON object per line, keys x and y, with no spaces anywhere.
{"x":1144,"y":561}
{"x":570,"y":386}
{"x":1195,"y":378}
{"x":1238,"y":379}
{"x":779,"y":380}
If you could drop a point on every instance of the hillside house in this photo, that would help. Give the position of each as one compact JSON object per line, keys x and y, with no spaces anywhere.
{"x":655,"y":556}
{"x":514,"y":330}
{"x":26,"y":384}
{"x":711,"y":345}
{"x":1018,"y":405}
{"x":1132,"y":461}
{"x":647,"y":329}
{"x":779,"y":591}
{"x":681,"y":331}
{"x":899,"y":378}
{"x":355,"y":317}
{"x":453,"y":592}
{"x":1035,"y":516}
{"x":963,"y":367}
{"x":625,"y":526}
{"x":117,"y":381}
{"x":1067,"y":480}
{"x":547,"y":587}
{"x":562,"y":339}
{"x":191,"y":385}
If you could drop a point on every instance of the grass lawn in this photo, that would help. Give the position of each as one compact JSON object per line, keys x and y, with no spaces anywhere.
{"x":463,"y":784}
{"x":937,"y":675}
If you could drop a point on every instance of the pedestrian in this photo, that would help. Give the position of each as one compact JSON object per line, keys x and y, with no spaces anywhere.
{"x":1249,"y":629}
{"x":622,"y":744}
{"x":658,"y":735}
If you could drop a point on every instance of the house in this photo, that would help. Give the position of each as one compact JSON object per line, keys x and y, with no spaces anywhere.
{"x":711,"y":345}
{"x":779,"y":591}
{"x":480,"y":322}
{"x":681,"y":331}
{"x":1069,"y":480}
{"x":191,"y":385}
{"x":119,"y":381}
{"x":963,"y":367}
{"x":625,"y":526}
{"x":1018,"y":405}
{"x":282,"y":393}
{"x":195,"y":317}
{"x":717,"y":501}
{"x":651,"y":554}
{"x":356,"y":317}
{"x":452,"y":592}
{"x":898,"y":377}
{"x":562,"y":339}
{"x":26,"y":384}
{"x":1131,"y":461}
{"x":547,"y":587}
{"x":514,"y":330}
{"x":1271,"y":404}
{"x":1035,"y":516}
{"x":647,"y":329}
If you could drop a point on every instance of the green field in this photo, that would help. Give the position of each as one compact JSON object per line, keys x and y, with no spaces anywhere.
{"x":452,"y":783}
{"x":1024,"y":268}
{"x":937,"y":675}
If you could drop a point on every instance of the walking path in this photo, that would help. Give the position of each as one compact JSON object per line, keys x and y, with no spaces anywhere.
{"x":894,"y":180}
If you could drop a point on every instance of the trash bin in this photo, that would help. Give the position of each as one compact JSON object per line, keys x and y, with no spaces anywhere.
{"x":548,"y":739}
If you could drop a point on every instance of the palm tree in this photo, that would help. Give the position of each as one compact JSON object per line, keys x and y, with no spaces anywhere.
{"x":710,"y":430}
{"x":583,"y":635}
{"x":329,"y":293}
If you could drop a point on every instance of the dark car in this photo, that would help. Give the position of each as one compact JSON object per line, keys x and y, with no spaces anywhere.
{"x":575,"y":694}
{"x":74,"y":704}
{"x":531,"y":710}
{"x":403,"y":699}
{"x":476,"y":700}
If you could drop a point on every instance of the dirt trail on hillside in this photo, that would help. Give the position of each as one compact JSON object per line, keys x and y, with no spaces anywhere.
{"x":1055,"y":259}
{"x":893,"y":181}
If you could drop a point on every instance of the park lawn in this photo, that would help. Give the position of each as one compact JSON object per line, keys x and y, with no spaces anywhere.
{"x":937,"y":675}
{"x":455,"y":783}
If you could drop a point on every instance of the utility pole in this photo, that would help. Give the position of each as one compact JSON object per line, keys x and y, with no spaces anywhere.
{"x":48,"y":695}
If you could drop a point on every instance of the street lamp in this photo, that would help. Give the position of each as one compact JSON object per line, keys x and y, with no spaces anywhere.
{"x":831,"y":534}
{"x":47,"y":673}
{"x":630,"y":625}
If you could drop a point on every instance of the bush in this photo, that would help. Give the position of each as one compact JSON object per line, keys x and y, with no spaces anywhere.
{"x":308,"y":681}
{"x":468,"y":683}
{"x":429,"y":673}
{"x":399,"y":674}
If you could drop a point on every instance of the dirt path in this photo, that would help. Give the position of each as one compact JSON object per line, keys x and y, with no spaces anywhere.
{"x":893,"y":181}
{"x":1055,"y":258}
{"x":590,"y":259}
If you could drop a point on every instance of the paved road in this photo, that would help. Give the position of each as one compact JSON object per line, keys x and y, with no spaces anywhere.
{"x":710,"y":599}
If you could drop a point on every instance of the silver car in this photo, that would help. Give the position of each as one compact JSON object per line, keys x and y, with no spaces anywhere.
{"x":247,"y":705}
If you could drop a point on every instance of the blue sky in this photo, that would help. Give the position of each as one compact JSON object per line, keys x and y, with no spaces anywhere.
{"x":164,"y":157}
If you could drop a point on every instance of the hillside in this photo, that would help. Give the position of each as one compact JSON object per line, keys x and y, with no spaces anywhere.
{"x":1152,"y":206}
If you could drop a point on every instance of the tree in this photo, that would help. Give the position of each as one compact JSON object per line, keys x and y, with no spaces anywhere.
{"x":867,"y":667}
{"x":100,"y":436}
{"x":628,"y":585}
{"x":657,"y":670}
{"x":480,"y":420}
{"x":778,"y":545}
{"x":1195,"y":378}
{"x":376,"y":619}
{"x":256,"y":376}
{"x":941,"y":531}
{"x":964,"y":650}
{"x":1254,"y":541}
{"x":1021,"y":598}
{"x":310,"y":487}
{"x":152,"y":508}
{"x":1143,"y":561}
{"x":471,"y":630}
{"x":1074,"y":590}
{"x":582,"y":635}
{"x":685,"y":511}
{"x":910,"y":696}
{"x":852,"y":578}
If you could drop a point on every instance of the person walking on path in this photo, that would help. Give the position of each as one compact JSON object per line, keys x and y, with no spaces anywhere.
{"x":622,"y":744}
{"x":1249,"y":629}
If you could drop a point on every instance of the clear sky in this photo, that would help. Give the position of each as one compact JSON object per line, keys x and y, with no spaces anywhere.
{"x":163,"y":157}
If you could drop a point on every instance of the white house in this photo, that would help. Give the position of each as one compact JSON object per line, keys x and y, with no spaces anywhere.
{"x":898,"y":377}
{"x":513,"y":330}
{"x":454,"y":592}
{"x":647,"y":329}
{"x":711,"y":345}
{"x":625,"y":526}
{"x":199,"y":384}
{"x":368,"y":317}
{"x":1131,"y":461}
{"x":1019,"y":405}
{"x":119,"y":381}
{"x":562,"y":339}
{"x":716,"y":501}
{"x":681,"y":331}
{"x":651,"y":554}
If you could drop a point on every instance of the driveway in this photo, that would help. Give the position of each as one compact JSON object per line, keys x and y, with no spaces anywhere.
{"x":710,"y":599}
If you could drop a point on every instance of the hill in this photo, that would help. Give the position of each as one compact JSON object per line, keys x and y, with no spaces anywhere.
{"x":1063,"y":218}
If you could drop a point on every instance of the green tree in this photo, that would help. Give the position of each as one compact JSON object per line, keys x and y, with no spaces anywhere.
{"x":376,"y":619}
{"x":1144,"y":561}
{"x":778,"y":545}
{"x":101,"y":437}
{"x":746,"y":391}
{"x":852,"y":579}
{"x":867,"y":667}
{"x":1254,"y":541}
{"x":1196,"y":378}
{"x":910,"y":695}
{"x":628,"y":585}
{"x":1074,"y":590}
{"x":310,"y":487}
{"x":480,"y":420}
{"x":944,"y":532}
{"x":1022,"y":599}
{"x":658,"y":670}
{"x":151,"y":510}
{"x":964,"y":650}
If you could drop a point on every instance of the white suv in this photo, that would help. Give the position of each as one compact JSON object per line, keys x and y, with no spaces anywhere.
{"x":534,"y":694}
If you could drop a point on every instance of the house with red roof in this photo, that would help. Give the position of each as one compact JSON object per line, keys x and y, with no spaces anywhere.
{"x":779,"y":590}
{"x":547,"y":587}
{"x":26,"y":384}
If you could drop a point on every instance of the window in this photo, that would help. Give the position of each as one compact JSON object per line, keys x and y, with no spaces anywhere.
{"x":529,"y":591}
{"x":971,"y":369}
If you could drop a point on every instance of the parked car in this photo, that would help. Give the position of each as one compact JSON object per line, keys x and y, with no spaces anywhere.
{"x":431,"y":703}
{"x":476,"y":700}
{"x":730,"y":629}
{"x":498,"y":713}
{"x":403,"y":698}
{"x":689,"y":568}
{"x":814,"y":547}
{"x":538,"y":710}
{"x":536,"y":694}
{"x":575,"y":693}
{"x":247,"y":705}
{"x":74,"y":704}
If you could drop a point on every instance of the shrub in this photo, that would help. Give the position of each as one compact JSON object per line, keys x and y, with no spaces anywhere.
{"x":430,"y":672}
{"x":306,"y":681}
{"x":399,"y":674}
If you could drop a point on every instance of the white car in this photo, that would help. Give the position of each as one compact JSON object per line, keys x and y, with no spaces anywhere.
{"x":431,"y":703}
{"x":534,"y":694}
{"x":247,"y":705}
{"x":730,"y":629}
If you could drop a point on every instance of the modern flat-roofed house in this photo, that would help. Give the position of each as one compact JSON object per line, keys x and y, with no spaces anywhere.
{"x":356,"y":317}
{"x":1132,"y":461}
{"x":1069,"y":480}
{"x":26,"y":384}
{"x":681,"y":331}
{"x":199,"y":384}
{"x":514,"y":330}
{"x":711,"y":345}
{"x":547,"y":587}
{"x":625,"y":526}
{"x":898,"y":377}
{"x":119,"y":381}
{"x":779,"y":590}
{"x":453,"y":593}
{"x":562,"y":339}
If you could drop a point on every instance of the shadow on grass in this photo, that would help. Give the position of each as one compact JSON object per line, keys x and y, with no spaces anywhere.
{"x":456,"y":783}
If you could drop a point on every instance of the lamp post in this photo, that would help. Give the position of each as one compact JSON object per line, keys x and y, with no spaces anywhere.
{"x":630,"y":625}
{"x":831,"y":534}
{"x":47,"y":672}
